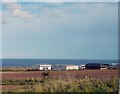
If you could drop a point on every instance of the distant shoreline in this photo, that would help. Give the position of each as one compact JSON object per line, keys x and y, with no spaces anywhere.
{"x":31,"y":62}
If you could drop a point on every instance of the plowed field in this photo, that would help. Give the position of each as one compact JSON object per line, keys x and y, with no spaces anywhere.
{"x":97,"y":74}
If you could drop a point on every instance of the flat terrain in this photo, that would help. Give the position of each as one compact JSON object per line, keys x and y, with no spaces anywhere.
{"x":96,"y":74}
{"x":68,"y":76}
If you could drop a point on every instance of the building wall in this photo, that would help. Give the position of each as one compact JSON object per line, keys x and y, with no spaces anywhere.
{"x":103,"y":68}
{"x":72,"y":67}
{"x":45,"y":68}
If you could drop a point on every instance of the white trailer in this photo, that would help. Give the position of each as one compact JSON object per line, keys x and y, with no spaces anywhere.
{"x":45,"y":67}
{"x":42,"y":67}
{"x":72,"y":67}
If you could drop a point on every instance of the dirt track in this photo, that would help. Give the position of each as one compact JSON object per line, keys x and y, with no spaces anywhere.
{"x":97,"y":74}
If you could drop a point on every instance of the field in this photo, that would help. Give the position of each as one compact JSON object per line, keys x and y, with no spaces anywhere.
{"x":14,"y":69}
{"x":69,"y":81}
{"x":97,"y":74}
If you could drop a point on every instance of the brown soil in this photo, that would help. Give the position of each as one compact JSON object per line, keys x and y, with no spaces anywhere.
{"x":97,"y":74}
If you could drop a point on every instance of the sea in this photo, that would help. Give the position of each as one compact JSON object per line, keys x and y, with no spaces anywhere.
{"x":32,"y":62}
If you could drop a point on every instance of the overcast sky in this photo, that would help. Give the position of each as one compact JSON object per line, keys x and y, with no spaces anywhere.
{"x":60,"y":30}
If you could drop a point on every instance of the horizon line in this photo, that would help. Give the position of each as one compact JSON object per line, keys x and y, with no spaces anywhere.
{"x":61,"y":58}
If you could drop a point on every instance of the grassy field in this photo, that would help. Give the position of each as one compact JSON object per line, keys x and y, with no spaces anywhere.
{"x":48,"y":82}
{"x":60,"y":85}
{"x":14,"y":69}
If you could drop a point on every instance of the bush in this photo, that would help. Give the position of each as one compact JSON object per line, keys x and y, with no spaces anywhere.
{"x":81,"y":85}
{"x":61,"y":85}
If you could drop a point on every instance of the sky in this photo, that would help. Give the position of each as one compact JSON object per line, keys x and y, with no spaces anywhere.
{"x":59,"y":30}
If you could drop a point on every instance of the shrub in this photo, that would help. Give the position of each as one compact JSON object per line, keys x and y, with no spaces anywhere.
{"x":62,"y":85}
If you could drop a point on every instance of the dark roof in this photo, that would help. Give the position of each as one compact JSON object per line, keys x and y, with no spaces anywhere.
{"x":93,"y":64}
